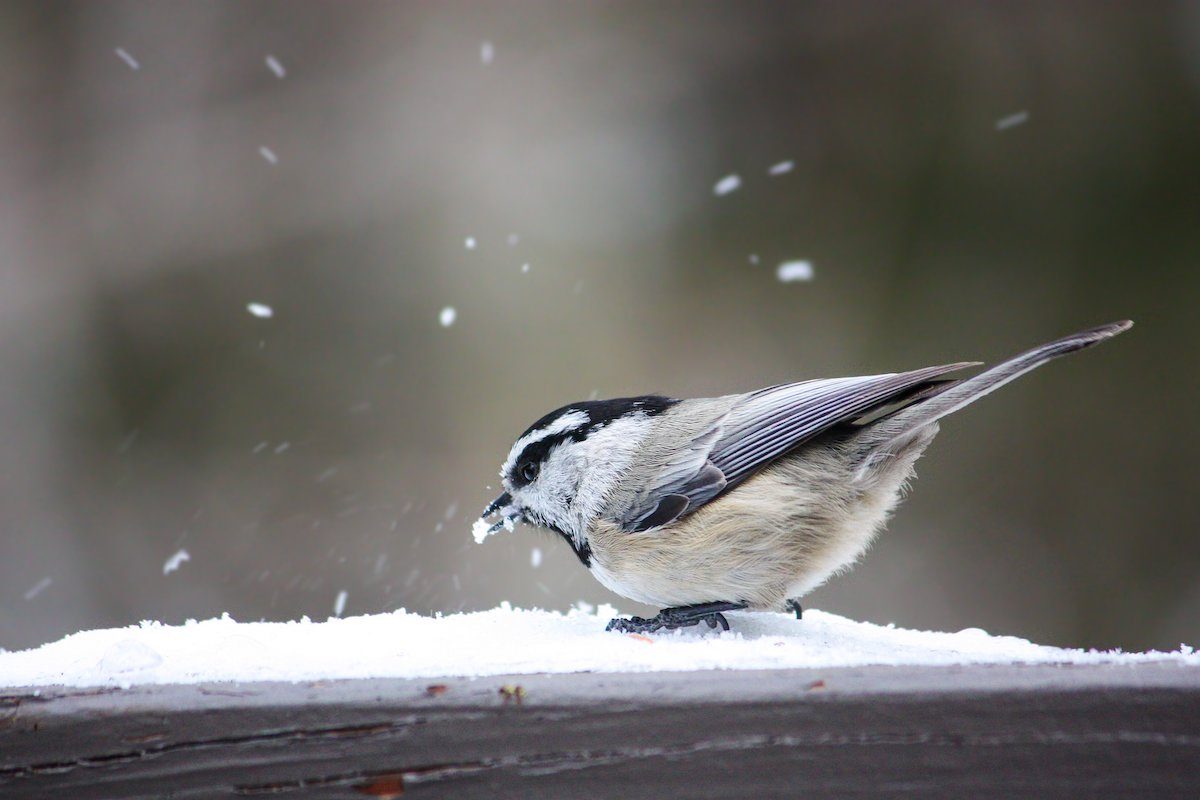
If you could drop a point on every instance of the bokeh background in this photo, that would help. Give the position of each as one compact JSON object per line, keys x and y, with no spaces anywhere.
{"x":967,"y":180}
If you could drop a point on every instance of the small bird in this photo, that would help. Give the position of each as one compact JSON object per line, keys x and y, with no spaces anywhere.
{"x":745,"y":501}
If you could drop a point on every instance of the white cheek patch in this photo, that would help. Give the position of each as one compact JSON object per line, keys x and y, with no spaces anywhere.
{"x":578,"y":479}
{"x":608,"y":453}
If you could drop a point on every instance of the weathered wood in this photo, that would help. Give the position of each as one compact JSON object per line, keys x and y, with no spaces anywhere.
{"x":973,"y":732}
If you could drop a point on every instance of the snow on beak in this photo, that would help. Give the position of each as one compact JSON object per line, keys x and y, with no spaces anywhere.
{"x":509,"y":516}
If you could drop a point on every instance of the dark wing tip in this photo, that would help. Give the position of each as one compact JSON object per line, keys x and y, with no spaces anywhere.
{"x":668,"y":508}
{"x":1087,"y":337}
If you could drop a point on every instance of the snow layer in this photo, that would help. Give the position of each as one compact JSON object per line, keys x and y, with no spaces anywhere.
{"x":500,"y":642}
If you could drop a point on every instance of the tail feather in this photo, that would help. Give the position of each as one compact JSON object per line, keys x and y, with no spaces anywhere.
{"x":878,"y":436}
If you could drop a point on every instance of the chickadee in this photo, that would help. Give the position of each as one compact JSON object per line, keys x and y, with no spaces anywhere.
{"x":746,"y":501}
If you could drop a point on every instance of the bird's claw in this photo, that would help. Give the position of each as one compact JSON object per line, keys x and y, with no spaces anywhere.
{"x":674,"y":618}
{"x":795,"y":607}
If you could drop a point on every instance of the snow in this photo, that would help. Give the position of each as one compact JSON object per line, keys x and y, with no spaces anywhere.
{"x":729,"y":183}
{"x":260,"y":310}
{"x":469,"y":242}
{"x":525,"y":268}
{"x":38,"y":588}
{"x":268,"y":154}
{"x":790,"y":271}
{"x":782,"y":168}
{"x":513,"y":239}
{"x":129,"y":60}
{"x":481,"y":529}
{"x":339,"y":602}
{"x":504,"y":641}
{"x":487,"y":52}
{"x":176,"y":561}
{"x":275,"y":67}
{"x":447,"y":316}
{"x":535,"y":557}
{"x":1012,"y":120}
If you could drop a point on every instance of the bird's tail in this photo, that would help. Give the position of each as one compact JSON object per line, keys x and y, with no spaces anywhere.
{"x":880,"y":436}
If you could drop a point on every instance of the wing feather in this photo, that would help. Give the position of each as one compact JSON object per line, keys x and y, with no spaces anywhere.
{"x":760,"y":428}
{"x":773,"y":421}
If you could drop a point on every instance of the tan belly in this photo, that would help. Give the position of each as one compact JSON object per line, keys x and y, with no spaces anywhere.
{"x":778,"y":536}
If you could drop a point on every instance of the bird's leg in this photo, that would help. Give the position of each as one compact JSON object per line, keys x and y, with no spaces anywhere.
{"x":794,"y":606}
{"x":678,"y":617}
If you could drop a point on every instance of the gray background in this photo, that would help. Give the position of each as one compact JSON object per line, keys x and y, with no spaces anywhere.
{"x":139,"y":218}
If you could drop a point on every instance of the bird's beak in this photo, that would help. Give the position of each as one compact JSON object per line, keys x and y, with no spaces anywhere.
{"x":497,"y":504}
{"x":508,"y":514}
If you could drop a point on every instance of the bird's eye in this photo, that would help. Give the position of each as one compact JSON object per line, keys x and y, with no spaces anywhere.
{"x":530,"y":471}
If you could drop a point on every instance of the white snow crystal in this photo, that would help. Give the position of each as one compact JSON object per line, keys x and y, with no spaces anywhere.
{"x":513,"y":239}
{"x":447,"y":316}
{"x":480,"y":529}
{"x":535,"y":557}
{"x":282,"y":447}
{"x":790,"y":271}
{"x":176,"y":561}
{"x":754,"y":258}
{"x":38,"y":588}
{"x":260,"y":310}
{"x":128,"y":655}
{"x":782,"y":168}
{"x":129,"y":60}
{"x":505,"y":641}
{"x":487,"y":52}
{"x":469,"y":242}
{"x":1012,"y":120}
{"x":268,"y":154}
{"x":274,"y":65}
{"x":728,"y":184}
{"x":339,"y":602}
{"x":524,"y":268}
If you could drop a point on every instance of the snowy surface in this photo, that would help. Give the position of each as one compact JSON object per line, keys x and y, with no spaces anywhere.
{"x":500,"y":642}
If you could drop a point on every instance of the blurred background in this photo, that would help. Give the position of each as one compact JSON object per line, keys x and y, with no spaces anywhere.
{"x":281,"y":281}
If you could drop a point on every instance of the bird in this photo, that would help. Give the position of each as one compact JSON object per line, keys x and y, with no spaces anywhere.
{"x":748,"y":501}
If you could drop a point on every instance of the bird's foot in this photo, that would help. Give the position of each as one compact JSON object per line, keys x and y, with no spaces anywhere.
{"x":794,"y":607}
{"x":677,"y":617}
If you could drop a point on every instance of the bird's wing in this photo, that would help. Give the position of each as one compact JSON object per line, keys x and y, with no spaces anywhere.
{"x":759,"y":428}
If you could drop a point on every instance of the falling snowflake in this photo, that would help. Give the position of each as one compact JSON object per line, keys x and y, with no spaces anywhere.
{"x":729,"y":183}
{"x":274,"y":65}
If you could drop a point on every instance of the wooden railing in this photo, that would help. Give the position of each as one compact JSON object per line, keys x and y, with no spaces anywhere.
{"x":954,"y":732}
